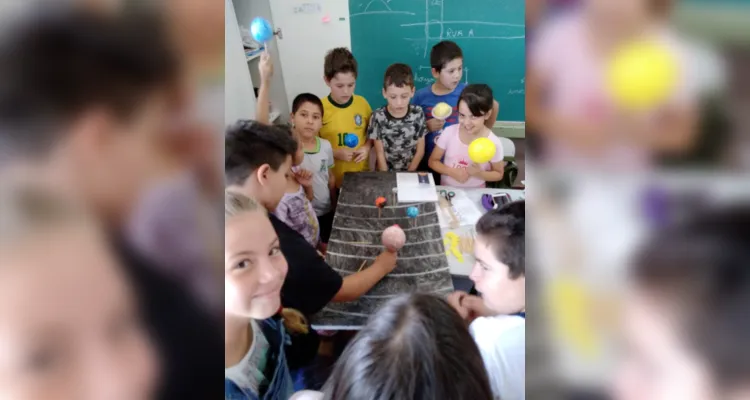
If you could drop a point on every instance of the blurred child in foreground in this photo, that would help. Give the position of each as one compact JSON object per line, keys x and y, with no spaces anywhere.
{"x":69,"y":324}
{"x":570,"y":105}
{"x":686,"y":331}
{"x":92,"y":126}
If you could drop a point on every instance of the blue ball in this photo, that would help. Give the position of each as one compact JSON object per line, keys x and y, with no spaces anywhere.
{"x":351,"y":140}
{"x":261,"y":30}
{"x":412,"y":212}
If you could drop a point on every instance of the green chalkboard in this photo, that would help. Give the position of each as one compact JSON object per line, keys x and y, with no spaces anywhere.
{"x":491,"y":34}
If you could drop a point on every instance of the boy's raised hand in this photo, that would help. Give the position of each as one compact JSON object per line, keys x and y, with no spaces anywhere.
{"x":434,"y":124}
{"x":265,"y":67}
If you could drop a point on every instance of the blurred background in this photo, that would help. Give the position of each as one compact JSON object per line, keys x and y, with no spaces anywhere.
{"x":614,"y":158}
{"x":115,"y":107}
{"x":687,"y":111}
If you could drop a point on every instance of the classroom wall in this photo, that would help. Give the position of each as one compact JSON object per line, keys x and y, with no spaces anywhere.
{"x":307,"y":38}
{"x":310,"y":29}
{"x":246,"y":11}
{"x":239,"y":97}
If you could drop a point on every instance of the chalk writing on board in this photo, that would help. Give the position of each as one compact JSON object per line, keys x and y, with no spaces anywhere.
{"x":521,"y":91}
{"x":434,"y":15}
{"x":307,"y":8}
{"x":373,"y":8}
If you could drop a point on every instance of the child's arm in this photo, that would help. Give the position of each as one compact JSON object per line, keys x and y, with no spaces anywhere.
{"x":493,"y":175}
{"x":459,"y":174}
{"x":436,"y":164}
{"x":357,"y":284}
{"x":332,"y":187}
{"x":331,"y":177}
{"x":380,"y":151}
{"x":364,"y":151}
{"x":421,"y":127}
{"x":265,"y":67}
{"x":493,"y":115}
{"x":417,"y":156}
{"x":373,"y":133}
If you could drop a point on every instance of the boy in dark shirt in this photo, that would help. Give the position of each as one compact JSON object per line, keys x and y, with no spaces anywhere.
{"x":258,"y":159}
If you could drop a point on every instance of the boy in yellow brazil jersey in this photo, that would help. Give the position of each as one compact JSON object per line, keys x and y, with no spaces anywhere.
{"x":345,"y":113}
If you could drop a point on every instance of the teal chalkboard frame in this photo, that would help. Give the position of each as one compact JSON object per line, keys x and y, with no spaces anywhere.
{"x":491,"y":34}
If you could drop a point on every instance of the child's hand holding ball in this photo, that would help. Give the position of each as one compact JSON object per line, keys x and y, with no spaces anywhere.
{"x":435,"y":125}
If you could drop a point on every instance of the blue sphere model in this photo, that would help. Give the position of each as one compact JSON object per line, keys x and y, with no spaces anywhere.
{"x":351,"y":140}
{"x":412,"y":212}
{"x":260,"y":29}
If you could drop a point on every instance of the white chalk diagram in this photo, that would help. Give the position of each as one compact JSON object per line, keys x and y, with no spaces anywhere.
{"x":374,"y":4}
{"x":452,"y":30}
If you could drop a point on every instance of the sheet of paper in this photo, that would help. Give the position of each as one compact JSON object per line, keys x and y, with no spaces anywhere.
{"x":411,"y":189}
{"x":465,"y":209}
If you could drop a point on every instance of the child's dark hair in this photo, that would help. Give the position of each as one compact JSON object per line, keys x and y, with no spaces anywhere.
{"x":398,"y":75}
{"x":62,"y":61}
{"x":250,"y":144}
{"x":505,"y":230}
{"x":339,"y":60}
{"x":443,"y":53}
{"x":415,"y":347}
{"x":700,"y":269}
{"x":306,"y":98}
{"x":478,"y":97}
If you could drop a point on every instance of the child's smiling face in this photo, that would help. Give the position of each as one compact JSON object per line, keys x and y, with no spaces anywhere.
{"x":255,"y":268}
{"x":450,"y":75}
{"x":68,"y":322}
{"x":471,"y":123}
{"x":342,"y":86}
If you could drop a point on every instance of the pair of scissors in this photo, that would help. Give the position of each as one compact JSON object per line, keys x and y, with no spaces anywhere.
{"x":448,"y":195}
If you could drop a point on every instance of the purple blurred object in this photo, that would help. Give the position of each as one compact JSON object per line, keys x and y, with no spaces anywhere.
{"x":487,"y":202}
{"x":656,"y":206}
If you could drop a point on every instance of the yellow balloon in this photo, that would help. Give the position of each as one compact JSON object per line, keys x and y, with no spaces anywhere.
{"x":642,"y":75}
{"x":482,"y":150}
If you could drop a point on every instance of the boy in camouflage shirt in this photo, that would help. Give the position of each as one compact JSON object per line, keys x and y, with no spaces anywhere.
{"x":399,"y":128}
